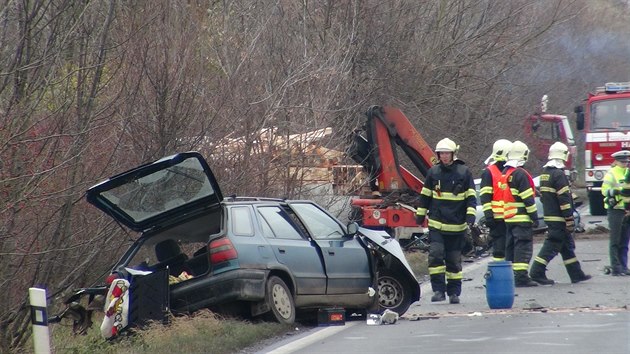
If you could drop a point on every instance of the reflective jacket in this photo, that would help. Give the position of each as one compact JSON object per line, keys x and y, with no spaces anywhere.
{"x":625,"y":190}
{"x":490,"y":195}
{"x":555,"y":195}
{"x":448,"y":197}
{"x":522,"y":208}
{"x":611,"y":186}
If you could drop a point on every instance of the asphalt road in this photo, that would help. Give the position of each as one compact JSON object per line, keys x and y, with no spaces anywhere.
{"x":588,"y":317}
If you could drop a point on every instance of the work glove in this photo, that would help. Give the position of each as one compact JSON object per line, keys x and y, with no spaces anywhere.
{"x":470,"y":220}
{"x":611,"y":201}
{"x":535,"y":222}
{"x":420,"y":219}
{"x":490,"y":223}
{"x":570,"y":224}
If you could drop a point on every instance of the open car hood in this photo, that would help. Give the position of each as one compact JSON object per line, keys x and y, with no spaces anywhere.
{"x":390,"y":244}
{"x":155,"y":193}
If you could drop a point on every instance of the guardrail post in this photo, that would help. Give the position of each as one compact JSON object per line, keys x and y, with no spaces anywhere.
{"x":39,"y":319}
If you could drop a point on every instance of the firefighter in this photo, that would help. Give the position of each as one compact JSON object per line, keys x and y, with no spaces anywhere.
{"x":520,"y":213}
{"x":557,"y":203}
{"x":611,"y":189}
{"x":491,"y":197}
{"x":448,"y":200}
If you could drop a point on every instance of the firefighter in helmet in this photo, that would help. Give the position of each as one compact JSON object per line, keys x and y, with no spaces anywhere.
{"x":557,"y":203}
{"x":448,"y":200}
{"x":613,"y":202}
{"x":491,"y":196}
{"x":519,"y":212}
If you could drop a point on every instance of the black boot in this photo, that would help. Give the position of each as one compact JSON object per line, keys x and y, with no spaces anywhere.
{"x":575,"y":272}
{"x":438,"y":296}
{"x":522,"y":280}
{"x":537,"y":273}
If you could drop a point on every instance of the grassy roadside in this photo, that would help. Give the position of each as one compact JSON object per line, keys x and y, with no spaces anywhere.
{"x":204,"y":332}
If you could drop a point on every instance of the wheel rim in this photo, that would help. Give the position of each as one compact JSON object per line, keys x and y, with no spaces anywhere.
{"x":390,"y":292}
{"x":281,"y":301}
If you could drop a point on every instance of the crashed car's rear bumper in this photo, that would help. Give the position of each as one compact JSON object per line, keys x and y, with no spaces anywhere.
{"x":234,"y":285}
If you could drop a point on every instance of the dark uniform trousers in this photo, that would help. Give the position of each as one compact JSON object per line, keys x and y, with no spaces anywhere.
{"x":618,"y":240}
{"x":519,"y":247}
{"x":446,"y":248}
{"x":498,"y":236}
{"x":559,"y":240}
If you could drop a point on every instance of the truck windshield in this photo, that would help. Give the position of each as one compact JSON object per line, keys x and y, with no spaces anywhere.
{"x":568,"y":131}
{"x":611,"y":114}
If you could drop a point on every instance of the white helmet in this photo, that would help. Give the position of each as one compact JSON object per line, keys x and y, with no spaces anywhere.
{"x":559,"y":151}
{"x":500,"y":149}
{"x":446,"y":145}
{"x":518,"y":152}
{"x":622,"y":155}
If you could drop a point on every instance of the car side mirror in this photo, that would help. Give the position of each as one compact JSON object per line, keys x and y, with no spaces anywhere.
{"x":353,"y":228}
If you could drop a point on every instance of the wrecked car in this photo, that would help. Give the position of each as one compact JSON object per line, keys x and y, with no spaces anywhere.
{"x":262,"y":256}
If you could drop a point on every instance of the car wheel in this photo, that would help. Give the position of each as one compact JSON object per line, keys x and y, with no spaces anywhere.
{"x":280,"y":300}
{"x":393,"y":293}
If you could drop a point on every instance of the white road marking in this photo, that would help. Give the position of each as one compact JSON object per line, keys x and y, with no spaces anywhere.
{"x":312,"y":338}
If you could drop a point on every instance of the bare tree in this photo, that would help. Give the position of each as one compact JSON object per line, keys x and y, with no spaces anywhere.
{"x":89,"y":89}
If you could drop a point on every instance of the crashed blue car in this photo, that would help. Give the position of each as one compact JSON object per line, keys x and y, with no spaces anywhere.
{"x":259,"y":256}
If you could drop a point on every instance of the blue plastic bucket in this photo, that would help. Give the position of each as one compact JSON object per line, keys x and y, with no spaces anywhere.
{"x":500,"y":285}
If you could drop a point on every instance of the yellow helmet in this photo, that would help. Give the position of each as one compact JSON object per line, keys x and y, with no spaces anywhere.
{"x":559,"y":151}
{"x":446,"y":145}
{"x":519,"y":151}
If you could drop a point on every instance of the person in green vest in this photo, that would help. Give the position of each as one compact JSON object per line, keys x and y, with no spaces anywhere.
{"x":613,"y":202}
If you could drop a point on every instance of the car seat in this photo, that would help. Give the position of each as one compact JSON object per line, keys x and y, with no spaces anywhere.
{"x":169,"y":254}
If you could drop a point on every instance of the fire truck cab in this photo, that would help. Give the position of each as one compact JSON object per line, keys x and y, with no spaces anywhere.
{"x":544,"y":129}
{"x":604,"y":117}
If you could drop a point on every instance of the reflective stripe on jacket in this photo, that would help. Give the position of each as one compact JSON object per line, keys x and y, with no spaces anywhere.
{"x":490,"y":193}
{"x":520,"y":205}
{"x":555,"y":195}
{"x":448,"y":197}
{"x":611,"y":186}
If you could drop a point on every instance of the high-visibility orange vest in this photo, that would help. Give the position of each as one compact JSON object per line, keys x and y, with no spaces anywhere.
{"x":497,"y":202}
{"x":509,"y":209}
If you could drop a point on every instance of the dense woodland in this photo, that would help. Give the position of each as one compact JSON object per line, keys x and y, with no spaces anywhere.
{"x":89,"y":89}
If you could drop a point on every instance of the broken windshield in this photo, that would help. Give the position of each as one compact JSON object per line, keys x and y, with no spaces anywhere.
{"x":149,"y":195}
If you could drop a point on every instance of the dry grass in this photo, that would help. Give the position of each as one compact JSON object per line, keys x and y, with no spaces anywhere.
{"x":205,"y":332}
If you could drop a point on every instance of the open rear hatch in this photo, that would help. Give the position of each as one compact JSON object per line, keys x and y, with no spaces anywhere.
{"x":155,"y":194}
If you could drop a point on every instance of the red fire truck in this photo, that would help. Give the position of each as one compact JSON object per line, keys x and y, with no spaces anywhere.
{"x":542,"y":129}
{"x":605,"y":119}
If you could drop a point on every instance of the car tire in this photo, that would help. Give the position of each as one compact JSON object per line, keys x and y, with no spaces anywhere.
{"x":280,"y":301}
{"x":393,"y":293}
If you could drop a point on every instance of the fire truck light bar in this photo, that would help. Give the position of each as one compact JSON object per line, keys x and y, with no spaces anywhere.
{"x":617,"y":86}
